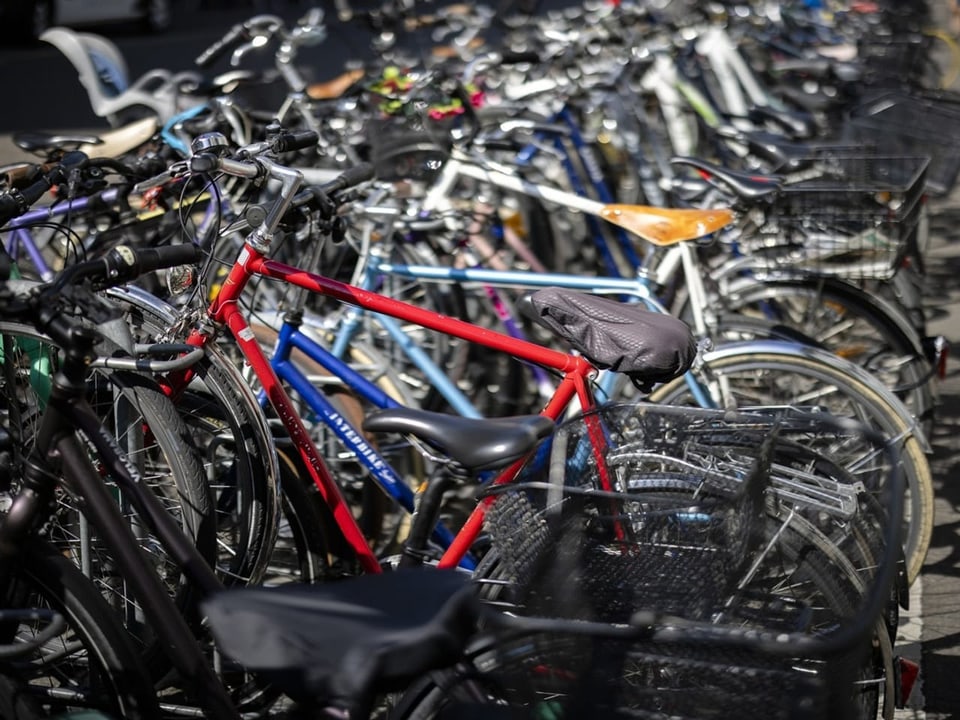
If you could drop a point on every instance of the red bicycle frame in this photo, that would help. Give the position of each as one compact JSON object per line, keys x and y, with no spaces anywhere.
{"x":225,"y":310}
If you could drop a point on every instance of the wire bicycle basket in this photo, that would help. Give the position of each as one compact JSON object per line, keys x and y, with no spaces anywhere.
{"x":701,"y":565}
{"x":848,"y":215}
{"x":904,"y":123}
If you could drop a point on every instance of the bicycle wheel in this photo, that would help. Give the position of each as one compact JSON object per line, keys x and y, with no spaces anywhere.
{"x":538,"y":676}
{"x":780,"y":374}
{"x":91,"y":664}
{"x":149,"y":431}
{"x":232,"y":435}
{"x":939,"y":66}
{"x":301,"y":553}
{"x":845,"y":320}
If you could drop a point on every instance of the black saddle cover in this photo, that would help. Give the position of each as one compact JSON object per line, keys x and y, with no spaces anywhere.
{"x":647,"y":346}
{"x":335,"y":642}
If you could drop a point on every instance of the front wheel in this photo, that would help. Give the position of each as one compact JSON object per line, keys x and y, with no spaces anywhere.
{"x":782,"y":374}
{"x":91,"y":665}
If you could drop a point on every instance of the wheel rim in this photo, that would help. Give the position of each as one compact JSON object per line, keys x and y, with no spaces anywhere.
{"x":747,"y":380}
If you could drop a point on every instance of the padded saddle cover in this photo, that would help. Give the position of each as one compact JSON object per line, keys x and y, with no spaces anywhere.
{"x":649,"y":347}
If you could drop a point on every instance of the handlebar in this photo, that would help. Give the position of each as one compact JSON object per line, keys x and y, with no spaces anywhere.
{"x":255,"y":33}
{"x":233,"y":38}
{"x":291,"y":141}
{"x":124,"y":263}
{"x":240,"y":38}
{"x":350,"y":178}
{"x":251,"y":161}
{"x":43,"y":306}
{"x":322,"y":197}
{"x":16,"y":202}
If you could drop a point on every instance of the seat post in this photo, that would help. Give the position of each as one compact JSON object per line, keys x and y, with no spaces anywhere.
{"x":427,"y":513}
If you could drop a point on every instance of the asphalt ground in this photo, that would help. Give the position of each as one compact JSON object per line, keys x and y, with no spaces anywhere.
{"x":41,"y":92}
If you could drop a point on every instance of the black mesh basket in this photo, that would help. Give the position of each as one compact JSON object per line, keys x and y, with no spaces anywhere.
{"x":889,"y":59}
{"x":697,"y":564}
{"x":919,"y":125}
{"x":848,"y":215}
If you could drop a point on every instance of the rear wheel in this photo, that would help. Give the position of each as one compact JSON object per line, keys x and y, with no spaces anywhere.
{"x":845,"y":320}
{"x":91,"y":664}
{"x":741,"y":378}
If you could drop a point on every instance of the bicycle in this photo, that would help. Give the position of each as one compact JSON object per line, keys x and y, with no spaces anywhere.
{"x":598,"y":620}
{"x":106,"y":503}
{"x":769,"y":373}
{"x":100,"y":658}
{"x":251,"y":261}
{"x":503,"y":442}
{"x":258,"y":564}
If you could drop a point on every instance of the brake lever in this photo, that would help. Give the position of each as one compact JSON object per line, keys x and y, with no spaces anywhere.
{"x":175,"y":171}
{"x":260,"y":29}
{"x":237,"y":55}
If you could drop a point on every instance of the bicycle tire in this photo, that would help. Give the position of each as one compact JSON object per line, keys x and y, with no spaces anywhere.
{"x":136,"y":410}
{"x":938,"y":67}
{"x":431,"y":696}
{"x":93,"y":629}
{"x":873,"y":406}
{"x":846,"y":320}
{"x":233,"y":436}
{"x":303,"y":531}
{"x":195,"y":504}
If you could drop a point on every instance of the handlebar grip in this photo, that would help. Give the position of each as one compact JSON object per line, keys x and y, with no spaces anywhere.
{"x":354,"y":176}
{"x":17,"y":202}
{"x":511,"y":57}
{"x":12,"y":204}
{"x":123,"y":263}
{"x":204,"y":163}
{"x":233,"y":37}
{"x":300,"y":140}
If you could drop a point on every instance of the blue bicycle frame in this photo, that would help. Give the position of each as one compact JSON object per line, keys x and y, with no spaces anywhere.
{"x":562,"y":127}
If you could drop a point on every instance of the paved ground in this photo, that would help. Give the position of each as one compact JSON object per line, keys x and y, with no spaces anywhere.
{"x":940,"y":592}
{"x":47,"y":95}
{"x":934,"y":621}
